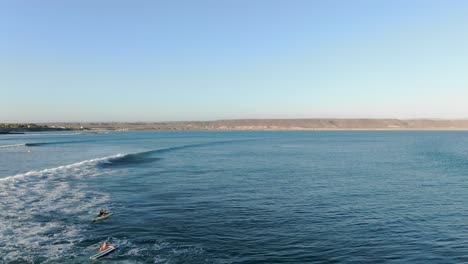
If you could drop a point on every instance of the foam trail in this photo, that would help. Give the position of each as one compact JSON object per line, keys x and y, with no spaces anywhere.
{"x":13,"y":146}
{"x":37,"y":207}
{"x":59,"y":168}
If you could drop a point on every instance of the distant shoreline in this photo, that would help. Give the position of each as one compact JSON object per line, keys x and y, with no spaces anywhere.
{"x":249,"y":125}
{"x":15,"y":129}
{"x":274,"y":125}
{"x":10,"y":133}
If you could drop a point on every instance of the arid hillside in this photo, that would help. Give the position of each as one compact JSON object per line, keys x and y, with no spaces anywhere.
{"x":279,"y":124}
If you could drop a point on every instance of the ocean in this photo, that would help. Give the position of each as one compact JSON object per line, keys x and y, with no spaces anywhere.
{"x":235,"y":197}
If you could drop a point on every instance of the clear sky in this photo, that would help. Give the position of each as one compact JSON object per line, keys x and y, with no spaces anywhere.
{"x":168,"y":60}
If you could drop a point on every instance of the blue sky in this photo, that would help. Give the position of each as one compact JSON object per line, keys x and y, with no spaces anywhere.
{"x":206,"y":60}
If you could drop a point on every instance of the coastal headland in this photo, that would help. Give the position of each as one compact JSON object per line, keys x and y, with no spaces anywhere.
{"x":249,"y":125}
{"x":19,"y":128}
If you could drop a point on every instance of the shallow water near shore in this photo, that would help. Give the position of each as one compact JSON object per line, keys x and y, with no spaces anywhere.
{"x":235,"y":197}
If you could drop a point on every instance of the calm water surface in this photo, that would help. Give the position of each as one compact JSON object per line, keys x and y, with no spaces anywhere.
{"x":235,"y":197}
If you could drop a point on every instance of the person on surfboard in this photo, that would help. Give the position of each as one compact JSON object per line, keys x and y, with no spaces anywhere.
{"x":102,"y":212}
{"x":105,"y":246}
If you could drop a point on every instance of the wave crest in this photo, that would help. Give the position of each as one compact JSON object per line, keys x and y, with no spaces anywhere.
{"x":38,"y":144}
{"x":146,"y":156}
{"x":50,"y":171}
{"x":37,"y":208}
{"x":13,"y":145}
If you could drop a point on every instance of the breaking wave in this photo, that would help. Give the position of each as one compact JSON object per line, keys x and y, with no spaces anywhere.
{"x":13,"y":145}
{"x":146,"y":156}
{"x":45,"y":214}
{"x":57,"y":143}
{"x":52,"y":171}
{"x":42,"y":214}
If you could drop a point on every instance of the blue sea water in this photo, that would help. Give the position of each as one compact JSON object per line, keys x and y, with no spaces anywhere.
{"x":235,"y":197}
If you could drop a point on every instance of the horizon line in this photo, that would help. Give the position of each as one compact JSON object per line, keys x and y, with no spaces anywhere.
{"x":238,"y":119}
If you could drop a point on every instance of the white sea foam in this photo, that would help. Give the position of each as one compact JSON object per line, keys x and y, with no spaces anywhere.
{"x":51,"y":171}
{"x":43,"y":213}
{"x":12,"y":145}
{"x":47,"y":134}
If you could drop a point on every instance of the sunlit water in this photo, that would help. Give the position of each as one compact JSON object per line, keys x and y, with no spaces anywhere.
{"x":235,"y":197}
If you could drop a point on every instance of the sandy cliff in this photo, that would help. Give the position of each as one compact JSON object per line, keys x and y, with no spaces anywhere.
{"x":282,"y":124}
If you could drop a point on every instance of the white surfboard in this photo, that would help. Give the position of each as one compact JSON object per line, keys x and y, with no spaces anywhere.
{"x":103,"y":253}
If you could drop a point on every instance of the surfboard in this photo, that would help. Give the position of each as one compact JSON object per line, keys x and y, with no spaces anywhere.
{"x":102,"y":217}
{"x":103,"y":253}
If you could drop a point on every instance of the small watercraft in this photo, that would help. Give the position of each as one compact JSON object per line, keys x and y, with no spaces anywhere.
{"x":104,"y":252}
{"x":104,"y":216}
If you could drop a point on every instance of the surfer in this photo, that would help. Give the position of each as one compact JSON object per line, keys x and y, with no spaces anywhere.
{"x":105,"y":246}
{"x":102,"y":212}
{"x":102,"y":215}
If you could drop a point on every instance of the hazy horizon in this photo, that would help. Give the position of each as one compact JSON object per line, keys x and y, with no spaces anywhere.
{"x":234,"y":119}
{"x":164,"y":61}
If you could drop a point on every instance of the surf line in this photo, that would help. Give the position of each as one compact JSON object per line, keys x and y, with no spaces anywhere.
{"x":13,"y":145}
{"x":59,"y":168}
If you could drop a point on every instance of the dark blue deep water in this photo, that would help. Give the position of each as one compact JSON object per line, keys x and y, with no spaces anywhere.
{"x":235,"y":197}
